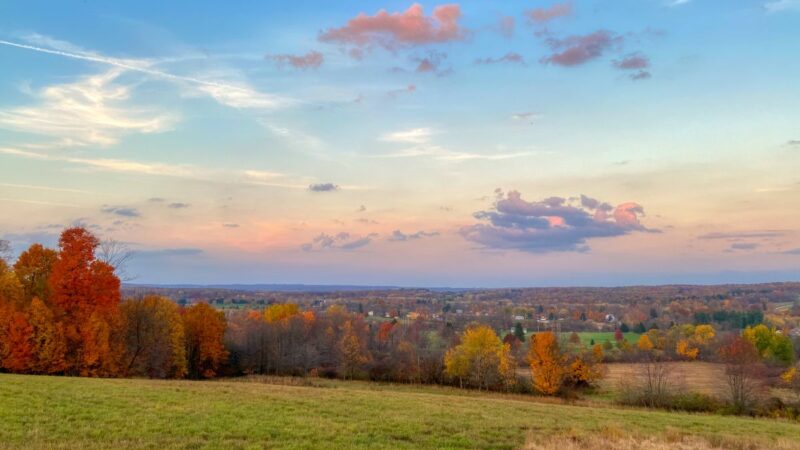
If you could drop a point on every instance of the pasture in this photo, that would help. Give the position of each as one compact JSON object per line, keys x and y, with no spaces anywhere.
{"x":61,"y":412}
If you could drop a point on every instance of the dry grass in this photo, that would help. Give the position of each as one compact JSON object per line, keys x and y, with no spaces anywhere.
{"x":702,"y":377}
{"x":612,"y":437}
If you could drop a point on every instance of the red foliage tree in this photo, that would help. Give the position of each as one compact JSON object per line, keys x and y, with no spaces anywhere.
{"x":85,"y":294}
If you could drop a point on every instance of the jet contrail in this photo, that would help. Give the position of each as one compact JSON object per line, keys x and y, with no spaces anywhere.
{"x":123,"y":65}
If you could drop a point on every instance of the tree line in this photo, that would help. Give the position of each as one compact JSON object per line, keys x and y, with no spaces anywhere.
{"x":61,"y":313}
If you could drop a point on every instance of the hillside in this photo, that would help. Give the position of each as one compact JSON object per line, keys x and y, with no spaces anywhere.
{"x":60,"y":412}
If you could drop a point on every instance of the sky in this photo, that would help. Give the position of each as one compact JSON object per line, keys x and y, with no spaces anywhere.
{"x":471,"y":144}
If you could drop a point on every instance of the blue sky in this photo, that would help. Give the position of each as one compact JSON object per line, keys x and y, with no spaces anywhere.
{"x":463,"y":144}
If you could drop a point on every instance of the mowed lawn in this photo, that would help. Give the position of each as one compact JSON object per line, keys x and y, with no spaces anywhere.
{"x":59,"y":412}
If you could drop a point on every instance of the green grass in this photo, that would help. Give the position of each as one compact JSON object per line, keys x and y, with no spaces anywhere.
{"x":598,"y":336}
{"x":59,"y":412}
{"x":602,"y":336}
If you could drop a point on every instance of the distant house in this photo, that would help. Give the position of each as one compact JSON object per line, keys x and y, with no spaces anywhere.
{"x":795,"y":333}
{"x":610,"y":318}
{"x":518,"y":318}
{"x":370,"y":313}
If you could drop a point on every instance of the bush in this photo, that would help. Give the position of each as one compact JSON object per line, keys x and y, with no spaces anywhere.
{"x":694,"y":402}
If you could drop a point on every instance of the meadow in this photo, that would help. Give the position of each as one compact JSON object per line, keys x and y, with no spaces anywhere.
{"x":63,"y":412}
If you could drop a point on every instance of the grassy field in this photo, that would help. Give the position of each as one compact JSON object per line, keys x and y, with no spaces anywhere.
{"x":598,"y":336}
{"x":602,"y":336}
{"x":53,"y":412}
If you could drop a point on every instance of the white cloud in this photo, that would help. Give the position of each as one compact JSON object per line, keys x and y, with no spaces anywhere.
{"x":782,"y":5}
{"x":236,"y":95}
{"x":442,"y":154}
{"x":94,"y":110}
{"x":412,"y":136}
{"x":241,"y":177}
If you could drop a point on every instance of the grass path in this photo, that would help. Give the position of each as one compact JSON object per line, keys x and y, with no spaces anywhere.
{"x":57,"y":412}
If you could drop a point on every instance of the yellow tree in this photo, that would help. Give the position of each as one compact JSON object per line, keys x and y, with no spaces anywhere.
{"x":154,"y":338}
{"x":33,"y":269}
{"x":546,"y":361}
{"x":685,"y":349}
{"x":353,"y":351}
{"x":644,"y":343}
{"x":482,"y":360}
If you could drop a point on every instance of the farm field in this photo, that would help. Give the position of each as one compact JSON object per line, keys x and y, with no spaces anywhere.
{"x":701,"y":377}
{"x":60,"y":412}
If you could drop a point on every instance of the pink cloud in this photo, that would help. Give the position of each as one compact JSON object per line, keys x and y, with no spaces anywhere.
{"x":510,"y":57}
{"x":425,"y":65}
{"x":431,"y":63}
{"x":633,"y":61}
{"x":505,"y":26}
{"x":411,"y":88}
{"x":627,"y":214}
{"x":637,"y":62}
{"x":542,"y":15}
{"x":576,"y":50}
{"x":399,"y":29}
{"x":311,"y":60}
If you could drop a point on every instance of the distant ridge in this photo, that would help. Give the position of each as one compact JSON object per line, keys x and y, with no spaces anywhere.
{"x":288,"y":287}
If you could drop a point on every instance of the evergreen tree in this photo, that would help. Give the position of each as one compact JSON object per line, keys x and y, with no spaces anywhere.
{"x":519,"y":332}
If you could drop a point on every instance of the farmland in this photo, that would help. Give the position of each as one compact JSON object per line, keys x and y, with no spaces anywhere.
{"x":63,"y":412}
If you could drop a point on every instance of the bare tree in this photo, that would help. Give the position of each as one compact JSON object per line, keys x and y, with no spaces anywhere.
{"x":652,"y":383}
{"x":116,"y":254}
{"x":5,"y":251}
{"x":744,"y":374}
{"x":656,"y":382}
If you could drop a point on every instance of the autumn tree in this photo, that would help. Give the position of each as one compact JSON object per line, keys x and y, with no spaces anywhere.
{"x":47,"y":338}
{"x":770,"y":343}
{"x":204,"y":330}
{"x":644,"y":344}
{"x":352,"y":350}
{"x":11,"y":290}
{"x":743,"y":373}
{"x":85,"y":294}
{"x":154,"y":340}
{"x":546,"y":362}
{"x":16,"y":349}
{"x":791,"y":378}
{"x":481,"y":360}
{"x":685,"y":349}
{"x":33,"y":268}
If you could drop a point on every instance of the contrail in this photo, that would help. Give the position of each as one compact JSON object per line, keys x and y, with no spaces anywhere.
{"x":123,"y":65}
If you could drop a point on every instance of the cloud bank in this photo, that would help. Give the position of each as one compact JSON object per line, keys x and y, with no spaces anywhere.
{"x":554,"y":224}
